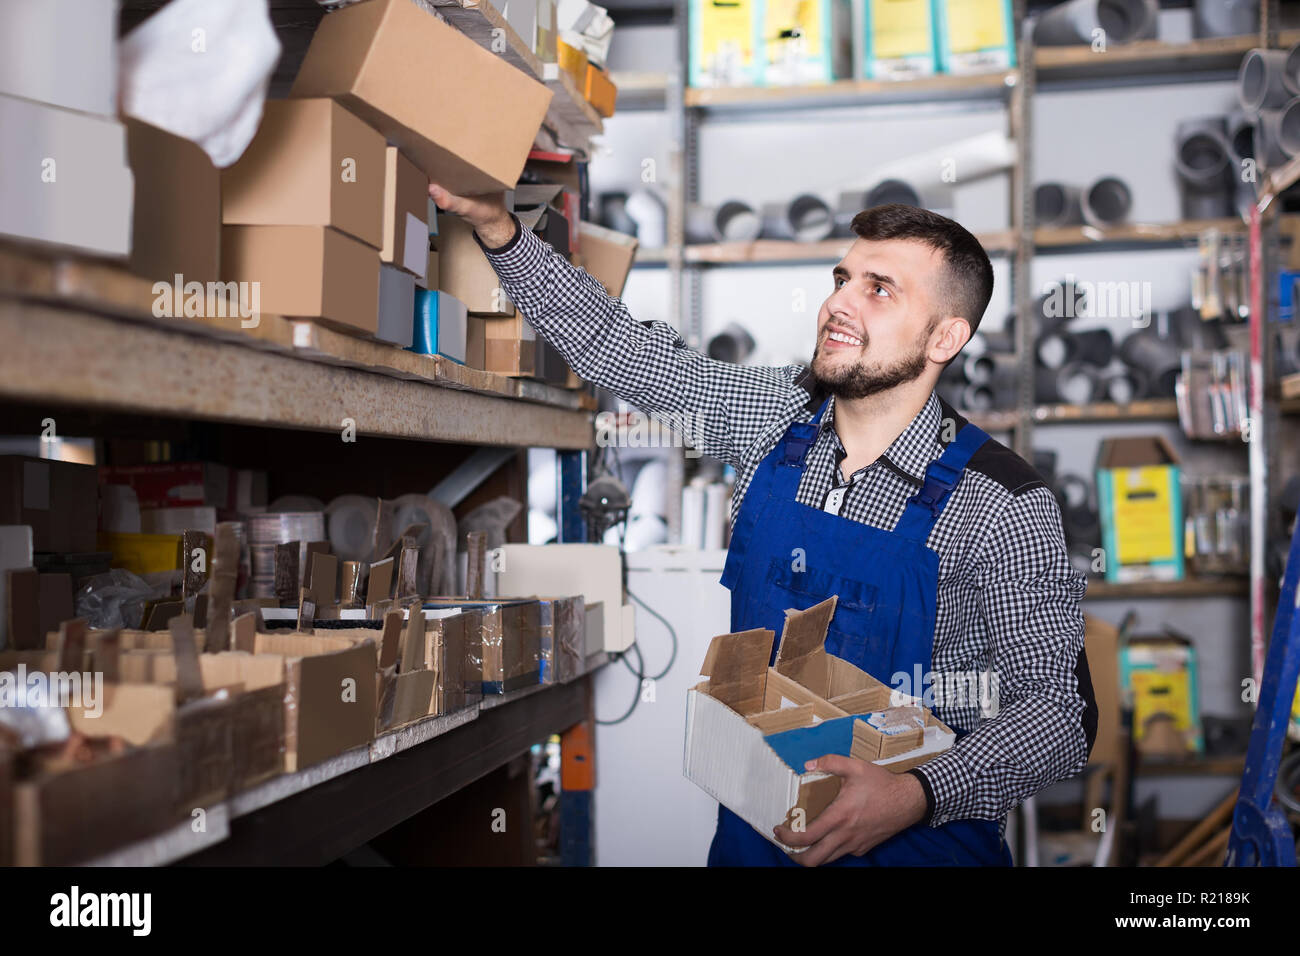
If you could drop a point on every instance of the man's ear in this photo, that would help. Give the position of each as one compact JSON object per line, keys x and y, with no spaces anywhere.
{"x":950,"y":335}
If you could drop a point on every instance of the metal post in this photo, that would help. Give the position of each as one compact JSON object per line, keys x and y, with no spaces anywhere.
{"x":571,"y":478}
{"x":1022,"y":225}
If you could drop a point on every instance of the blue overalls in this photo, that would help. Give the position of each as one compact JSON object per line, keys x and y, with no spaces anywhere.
{"x":788,"y":555}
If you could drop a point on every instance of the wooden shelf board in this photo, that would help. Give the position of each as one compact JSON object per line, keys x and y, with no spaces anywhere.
{"x":1159,"y":409}
{"x":995,"y":421}
{"x":1136,"y":232}
{"x":1190,"y":588}
{"x":1229,"y":766}
{"x":1147,"y":57}
{"x":851,"y":91}
{"x":88,"y":337}
{"x":783,"y":250}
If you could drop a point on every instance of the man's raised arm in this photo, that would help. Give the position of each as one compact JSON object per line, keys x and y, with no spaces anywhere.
{"x":724,"y":407}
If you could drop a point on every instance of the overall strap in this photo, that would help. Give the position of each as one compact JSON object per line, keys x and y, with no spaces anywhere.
{"x":790,"y":452}
{"x":777,"y":477}
{"x":941,"y":477}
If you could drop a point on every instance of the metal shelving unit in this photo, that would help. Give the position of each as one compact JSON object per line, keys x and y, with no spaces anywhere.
{"x":84,"y":341}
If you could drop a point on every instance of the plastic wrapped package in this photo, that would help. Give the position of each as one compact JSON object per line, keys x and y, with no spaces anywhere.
{"x":509,"y":656}
{"x":563,"y":637}
{"x":116,"y":599}
{"x":214,"y":100}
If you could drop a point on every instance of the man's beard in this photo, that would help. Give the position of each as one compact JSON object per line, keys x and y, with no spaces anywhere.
{"x":859,"y":381}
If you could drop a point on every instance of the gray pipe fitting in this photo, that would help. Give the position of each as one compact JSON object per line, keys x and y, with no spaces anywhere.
{"x":1057,"y":205}
{"x":1261,"y":80}
{"x":806,"y":218}
{"x":732,"y":221}
{"x":1074,"y":21}
{"x":1225,"y":18}
{"x":1107,"y":202}
{"x":1277,"y":134}
{"x":1203,"y":160}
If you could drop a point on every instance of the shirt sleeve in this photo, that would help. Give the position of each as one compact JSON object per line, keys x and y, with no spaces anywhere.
{"x":1032,"y":734}
{"x":720,"y":408}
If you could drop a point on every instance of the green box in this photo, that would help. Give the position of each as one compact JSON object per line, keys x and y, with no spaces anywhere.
{"x":974,"y":36}
{"x":1139,"y":495}
{"x":725,"y":42}
{"x":898,"y":39}
{"x":1159,"y":682}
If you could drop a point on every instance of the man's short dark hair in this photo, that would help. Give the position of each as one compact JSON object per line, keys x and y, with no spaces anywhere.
{"x":968,"y":284}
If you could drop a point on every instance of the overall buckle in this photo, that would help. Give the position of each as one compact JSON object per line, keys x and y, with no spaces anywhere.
{"x":940,"y":479}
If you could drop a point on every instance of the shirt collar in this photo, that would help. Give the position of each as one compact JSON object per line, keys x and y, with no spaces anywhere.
{"x":914,"y":448}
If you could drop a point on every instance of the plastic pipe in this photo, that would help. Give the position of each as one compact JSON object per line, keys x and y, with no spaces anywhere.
{"x":732,"y":221}
{"x":1074,"y":21}
{"x":1203,"y":161}
{"x":1077,"y":383}
{"x":1057,"y":205}
{"x":806,"y":218}
{"x":1260,"y":80}
{"x":1277,"y":134}
{"x":733,"y":344}
{"x":1107,"y":202}
{"x":1225,"y":18}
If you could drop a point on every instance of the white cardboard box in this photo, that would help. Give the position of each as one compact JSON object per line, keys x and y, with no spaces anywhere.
{"x":593,"y":570}
{"x":741,"y":720}
{"x":61,"y":52}
{"x":66,"y":178}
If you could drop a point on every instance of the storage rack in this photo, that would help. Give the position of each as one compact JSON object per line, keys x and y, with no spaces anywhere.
{"x":86,"y":349}
{"x":688,"y":109}
{"x":1121,"y":66}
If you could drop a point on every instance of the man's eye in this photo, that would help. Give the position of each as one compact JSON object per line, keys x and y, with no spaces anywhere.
{"x":881,"y":288}
{"x":839,"y":281}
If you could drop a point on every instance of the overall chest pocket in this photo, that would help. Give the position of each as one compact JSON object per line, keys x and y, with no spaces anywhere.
{"x":863,"y":626}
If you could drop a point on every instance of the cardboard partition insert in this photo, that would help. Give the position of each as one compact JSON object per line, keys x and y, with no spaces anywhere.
{"x":750,"y":728}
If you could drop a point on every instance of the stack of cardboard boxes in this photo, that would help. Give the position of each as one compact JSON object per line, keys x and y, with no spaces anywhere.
{"x":66,"y":179}
{"x":328,"y":208}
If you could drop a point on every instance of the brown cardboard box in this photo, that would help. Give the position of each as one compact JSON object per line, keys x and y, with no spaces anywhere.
{"x":323,"y":715}
{"x":491,"y":345}
{"x":607,"y":256}
{"x":74,"y":815}
{"x":306,"y":271}
{"x":202,"y":730}
{"x":312,"y":163}
{"x":58,"y":499}
{"x":406,"y":205}
{"x":464,"y":271}
{"x":257,"y":691}
{"x":6,"y":805}
{"x":176,"y":227}
{"x":463,"y":114}
{"x":1102,"y":648}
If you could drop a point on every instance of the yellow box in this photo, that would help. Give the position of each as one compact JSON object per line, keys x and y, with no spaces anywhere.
{"x":599,"y":91}
{"x":142,"y":553}
{"x":572,"y":61}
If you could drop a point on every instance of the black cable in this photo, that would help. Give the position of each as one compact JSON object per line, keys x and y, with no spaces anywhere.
{"x":639,"y":672}
{"x":672,"y":658}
